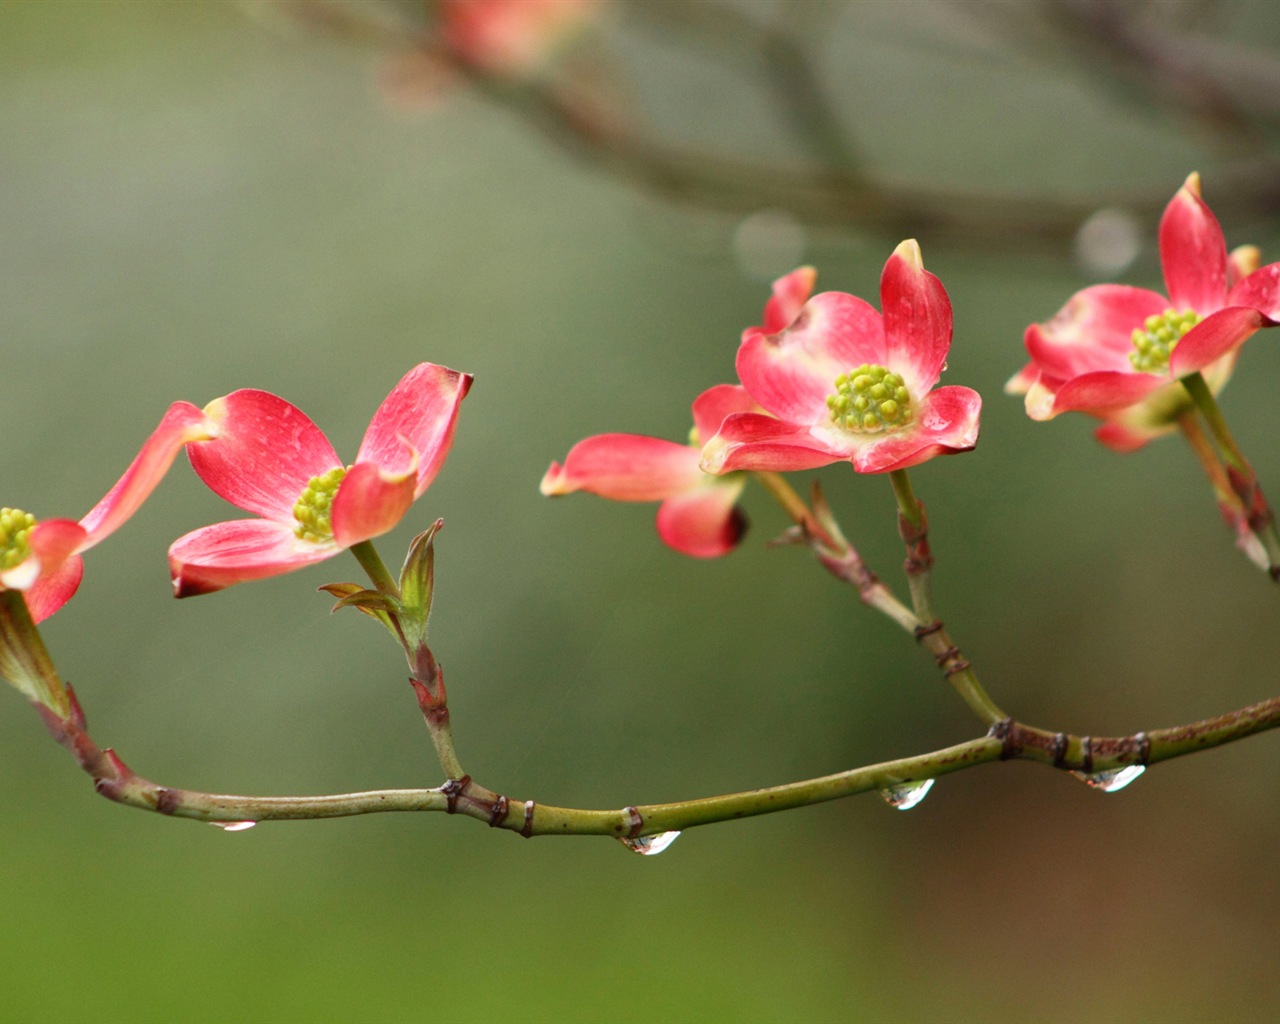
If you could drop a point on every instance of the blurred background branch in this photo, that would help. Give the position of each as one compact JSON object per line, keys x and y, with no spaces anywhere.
{"x":811,"y":154}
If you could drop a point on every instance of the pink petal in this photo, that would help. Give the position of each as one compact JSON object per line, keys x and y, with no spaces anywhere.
{"x":790,"y":293}
{"x":370,"y":502}
{"x":1212,"y":338}
{"x":265,"y":453}
{"x":182,"y":423}
{"x":712,"y":406}
{"x":1260,"y":290}
{"x":1093,"y":331}
{"x":237,"y":551}
{"x":1193,"y":252}
{"x":1242,"y":261}
{"x":1121,"y":437}
{"x":705,"y":522}
{"x":625,"y":467}
{"x":752,"y":441}
{"x":52,"y":542}
{"x":917,"y":319}
{"x":1022,"y":381}
{"x":420,"y":415}
{"x":946,"y":424}
{"x":52,"y":590}
{"x":1105,"y":391}
{"x":1040,"y":395}
{"x":791,"y":373}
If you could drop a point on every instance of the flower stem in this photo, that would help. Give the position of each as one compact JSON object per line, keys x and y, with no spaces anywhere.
{"x":1229,"y":503}
{"x":913,"y":525}
{"x":24,"y":659}
{"x":794,"y":506}
{"x":1241,"y":477}
{"x":369,"y":559}
{"x":833,"y":551}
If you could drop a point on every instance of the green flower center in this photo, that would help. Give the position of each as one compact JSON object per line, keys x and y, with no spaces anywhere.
{"x":1156,"y":338}
{"x":313,"y":508}
{"x":15,"y":528}
{"x":870,"y":400}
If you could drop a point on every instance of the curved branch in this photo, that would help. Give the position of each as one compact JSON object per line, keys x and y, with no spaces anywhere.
{"x":1007,"y":740}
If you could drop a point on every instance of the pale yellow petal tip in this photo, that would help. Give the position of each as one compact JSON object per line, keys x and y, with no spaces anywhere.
{"x":207,"y":429}
{"x":1244,"y":260}
{"x":1039,"y":403}
{"x":714,"y":456}
{"x":909,"y":250}
{"x":1192,"y":184}
{"x":553,"y":482}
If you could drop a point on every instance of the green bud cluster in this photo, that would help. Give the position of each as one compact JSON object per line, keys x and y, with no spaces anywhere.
{"x":15,"y":528}
{"x":870,"y":400}
{"x":314,"y":507}
{"x":1156,"y":338}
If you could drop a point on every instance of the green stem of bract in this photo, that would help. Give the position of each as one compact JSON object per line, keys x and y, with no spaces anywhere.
{"x":24,"y":659}
{"x":795,"y":508}
{"x":1229,"y":503}
{"x":829,"y":545}
{"x":1243,"y":480}
{"x":369,"y":559}
{"x":913,"y":525}
{"x":1198,"y":388}
{"x":908,"y":504}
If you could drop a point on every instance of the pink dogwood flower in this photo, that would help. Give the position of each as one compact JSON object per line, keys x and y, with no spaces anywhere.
{"x":270,"y":459}
{"x":699,"y":515}
{"x":42,"y":557}
{"x":843,"y":382}
{"x":1117,"y":352}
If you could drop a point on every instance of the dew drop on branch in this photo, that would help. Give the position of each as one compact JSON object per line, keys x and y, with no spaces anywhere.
{"x":233,"y":826}
{"x":907,"y":795}
{"x":648,"y":846}
{"x":1110,"y":782}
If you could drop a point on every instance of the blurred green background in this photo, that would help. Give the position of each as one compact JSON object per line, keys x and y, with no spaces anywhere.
{"x":192,"y":201}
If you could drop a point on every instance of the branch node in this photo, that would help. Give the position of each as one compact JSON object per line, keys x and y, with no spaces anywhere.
{"x":922,"y":631}
{"x":452,"y":789}
{"x":635,"y":821}
{"x":1005,"y":731}
{"x":1086,"y":755}
{"x":498,"y":812}
{"x":1143,"y":742}
{"x":167,"y":800}
{"x":526,"y":829}
{"x":1059,"y":749}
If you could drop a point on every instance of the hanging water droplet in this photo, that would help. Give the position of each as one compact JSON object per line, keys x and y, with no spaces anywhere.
{"x":907,"y":795}
{"x":1109,"y":782}
{"x":649,"y":846}
{"x":233,"y":826}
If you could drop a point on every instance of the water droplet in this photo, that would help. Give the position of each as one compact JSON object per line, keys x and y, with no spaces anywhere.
{"x":233,"y":826}
{"x":768,"y":243}
{"x":649,"y":846}
{"x":1109,"y":782}
{"x":907,"y":795}
{"x":1108,"y":242}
